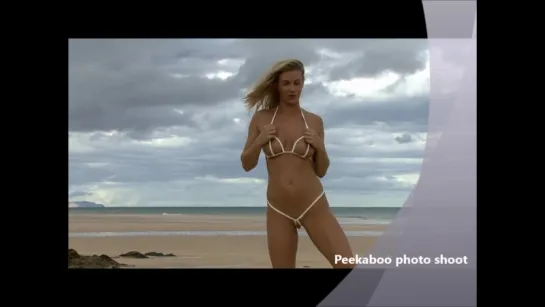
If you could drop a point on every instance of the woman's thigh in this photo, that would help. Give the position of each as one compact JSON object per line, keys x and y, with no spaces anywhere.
{"x":327,"y":234}
{"x":282,"y":240}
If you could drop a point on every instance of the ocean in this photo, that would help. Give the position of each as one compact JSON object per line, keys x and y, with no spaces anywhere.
{"x":345,"y":216}
{"x":365,"y":215}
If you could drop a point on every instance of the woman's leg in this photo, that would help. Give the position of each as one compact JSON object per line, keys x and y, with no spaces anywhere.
{"x":327,"y":234}
{"x":282,"y":240}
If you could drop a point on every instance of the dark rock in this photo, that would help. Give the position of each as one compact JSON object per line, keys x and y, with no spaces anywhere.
{"x":76,"y":260}
{"x":72,"y":254}
{"x":134,"y":254}
{"x":154,"y":254}
{"x":157,"y":254}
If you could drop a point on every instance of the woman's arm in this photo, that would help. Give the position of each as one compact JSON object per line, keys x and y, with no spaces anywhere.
{"x":252,"y":148}
{"x":321,"y":159}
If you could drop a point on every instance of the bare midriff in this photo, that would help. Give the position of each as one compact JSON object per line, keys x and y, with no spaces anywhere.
{"x":293,"y":184}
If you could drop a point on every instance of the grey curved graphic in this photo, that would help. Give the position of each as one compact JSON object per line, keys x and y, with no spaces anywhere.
{"x":439,"y":217}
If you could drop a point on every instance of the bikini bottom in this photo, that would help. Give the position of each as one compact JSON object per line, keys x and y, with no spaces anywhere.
{"x":297,"y":220}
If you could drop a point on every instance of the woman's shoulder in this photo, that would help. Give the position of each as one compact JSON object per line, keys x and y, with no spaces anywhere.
{"x":312,"y":116}
{"x":264,"y":112}
{"x":262,"y":115}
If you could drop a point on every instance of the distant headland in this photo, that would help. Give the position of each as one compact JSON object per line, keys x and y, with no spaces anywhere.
{"x":84,"y":204}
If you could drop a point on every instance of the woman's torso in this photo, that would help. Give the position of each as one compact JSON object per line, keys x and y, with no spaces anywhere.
{"x":292,"y":183}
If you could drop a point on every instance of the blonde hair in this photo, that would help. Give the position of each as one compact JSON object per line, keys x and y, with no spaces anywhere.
{"x":263,"y":95}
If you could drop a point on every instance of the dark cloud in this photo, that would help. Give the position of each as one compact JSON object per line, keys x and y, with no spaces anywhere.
{"x":131,"y":85}
{"x":403,"y":57}
{"x":221,"y":159}
{"x":410,"y":113}
{"x":264,"y":53}
{"x":146,"y":91}
{"x":405,"y":138}
{"x":138,"y":100}
{"x":128,"y":85}
{"x":79,"y":193}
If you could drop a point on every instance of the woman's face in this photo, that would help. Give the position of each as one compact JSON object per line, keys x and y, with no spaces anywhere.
{"x":290,"y":86}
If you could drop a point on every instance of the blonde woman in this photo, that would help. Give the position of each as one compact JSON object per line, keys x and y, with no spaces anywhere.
{"x":293,"y":142}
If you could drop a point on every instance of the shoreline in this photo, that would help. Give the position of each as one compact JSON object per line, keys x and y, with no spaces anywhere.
{"x":201,"y":252}
{"x":198,"y":222}
{"x":190,"y":250}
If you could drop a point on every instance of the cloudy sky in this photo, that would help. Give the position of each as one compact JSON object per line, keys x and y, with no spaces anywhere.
{"x":162,"y":122}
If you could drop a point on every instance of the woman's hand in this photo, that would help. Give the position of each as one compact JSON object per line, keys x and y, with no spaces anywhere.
{"x":267,"y":133}
{"x":312,"y":138}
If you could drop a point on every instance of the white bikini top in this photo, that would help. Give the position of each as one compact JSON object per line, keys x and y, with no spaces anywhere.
{"x":292,"y":151}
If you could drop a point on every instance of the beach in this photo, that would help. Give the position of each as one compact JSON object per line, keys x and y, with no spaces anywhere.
{"x":196,"y":240}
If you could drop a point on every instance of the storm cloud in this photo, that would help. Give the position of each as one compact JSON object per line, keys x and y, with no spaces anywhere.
{"x":162,"y":122}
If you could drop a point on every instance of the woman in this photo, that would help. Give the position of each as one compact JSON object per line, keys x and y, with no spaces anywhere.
{"x":293,"y":142}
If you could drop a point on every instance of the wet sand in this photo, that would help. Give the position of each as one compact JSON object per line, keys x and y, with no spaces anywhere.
{"x":203,"y":251}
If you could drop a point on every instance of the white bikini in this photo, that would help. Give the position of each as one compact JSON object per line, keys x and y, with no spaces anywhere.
{"x":296,"y":221}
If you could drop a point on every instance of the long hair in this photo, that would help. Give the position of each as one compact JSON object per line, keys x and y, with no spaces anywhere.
{"x":263,"y":95}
